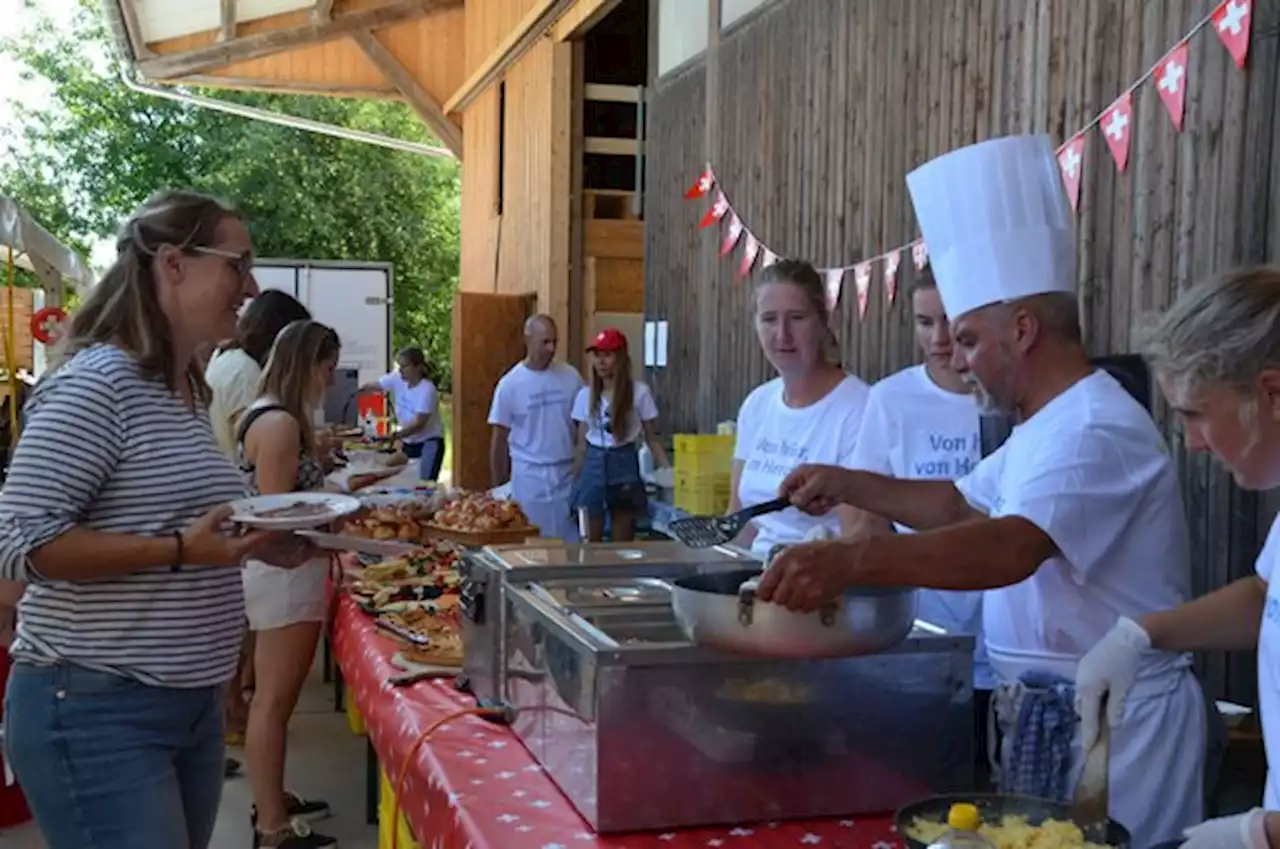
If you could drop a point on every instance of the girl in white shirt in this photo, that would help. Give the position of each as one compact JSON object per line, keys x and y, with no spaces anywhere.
{"x":614,"y":413}
{"x":810,"y":413}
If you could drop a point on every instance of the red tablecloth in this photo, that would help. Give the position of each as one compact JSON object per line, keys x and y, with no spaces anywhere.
{"x":474,"y":786}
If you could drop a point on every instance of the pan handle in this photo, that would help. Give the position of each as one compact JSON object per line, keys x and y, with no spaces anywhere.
{"x":748,"y":513}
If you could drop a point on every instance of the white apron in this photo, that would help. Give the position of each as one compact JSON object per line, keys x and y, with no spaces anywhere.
{"x":1156,"y":780}
{"x":543,"y":492}
{"x":1269,"y":688}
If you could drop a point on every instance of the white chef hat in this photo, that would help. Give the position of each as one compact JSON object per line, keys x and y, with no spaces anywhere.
{"x":996,"y":221}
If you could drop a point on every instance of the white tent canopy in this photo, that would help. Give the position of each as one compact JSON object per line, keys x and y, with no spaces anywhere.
{"x":36,"y":249}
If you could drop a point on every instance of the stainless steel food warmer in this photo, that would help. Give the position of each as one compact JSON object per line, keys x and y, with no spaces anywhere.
{"x":641,"y":729}
{"x":486,"y":571}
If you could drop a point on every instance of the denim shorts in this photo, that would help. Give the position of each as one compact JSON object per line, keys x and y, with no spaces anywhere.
{"x":107,"y":762}
{"x":610,"y":480}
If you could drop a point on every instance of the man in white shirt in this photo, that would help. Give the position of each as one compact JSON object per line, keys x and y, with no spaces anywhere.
{"x":922,"y":423}
{"x":534,"y":434}
{"x":1075,"y":521}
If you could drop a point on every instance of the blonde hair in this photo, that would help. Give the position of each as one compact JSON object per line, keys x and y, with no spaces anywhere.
{"x":123,"y":309}
{"x":1225,"y":331}
{"x":291,"y":376}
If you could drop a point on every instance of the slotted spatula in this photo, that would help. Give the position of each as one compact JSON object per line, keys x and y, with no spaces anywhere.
{"x":706,"y":531}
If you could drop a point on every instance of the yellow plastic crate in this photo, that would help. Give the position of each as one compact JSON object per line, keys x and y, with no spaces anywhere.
{"x":354,"y":720}
{"x":705,"y":495}
{"x":386,"y":828}
{"x":699,"y":453}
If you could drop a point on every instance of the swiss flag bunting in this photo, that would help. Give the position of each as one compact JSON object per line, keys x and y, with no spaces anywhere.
{"x":731,"y":235}
{"x":749,"y":255}
{"x":862,"y":285}
{"x":1071,"y":161}
{"x":919,"y":255}
{"x":1117,"y":128}
{"x":716,"y":212}
{"x":833,"y":278}
{"x":704,"y":184}
{"x":770,"y":258}
{"x":1171,"y":82}
{"x":1232,"y":22}
{"x":891,"y":262}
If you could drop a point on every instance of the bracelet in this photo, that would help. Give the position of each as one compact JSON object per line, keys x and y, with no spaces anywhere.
{"x":178,"y":556}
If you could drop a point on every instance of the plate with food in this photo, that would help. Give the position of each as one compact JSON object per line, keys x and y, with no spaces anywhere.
{"x":293,"y":511}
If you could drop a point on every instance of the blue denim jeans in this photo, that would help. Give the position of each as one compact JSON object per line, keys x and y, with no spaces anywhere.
{"x":106,"y":762}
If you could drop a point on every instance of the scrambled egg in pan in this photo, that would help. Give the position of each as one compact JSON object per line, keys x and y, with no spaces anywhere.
{"x":1013,"y":832}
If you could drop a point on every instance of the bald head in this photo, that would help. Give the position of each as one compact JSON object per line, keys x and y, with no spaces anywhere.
{"x":540,"y":338}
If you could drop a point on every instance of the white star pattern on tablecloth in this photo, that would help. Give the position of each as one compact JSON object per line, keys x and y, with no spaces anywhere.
{"x":533,"y":768}
{"x":498,"y":744}
{"x":524,"y":829}
{"x":846,"y":823}
{"x":553,"y":846}
{"x":741,"y":832}
{"x":667,"y":836}
{"x":482,"y":761}
{"x":520,"y":794}
{"x":584,"y":835}
{"x":811,"y":840}
{"x":880,"y":844}
{"x":476,"y":782}
{"x":715,"y":841}
{"x":541,"y":803}
{"x":507,"y":818}
{"x":506,"y":776}
{"x":465,"y":754}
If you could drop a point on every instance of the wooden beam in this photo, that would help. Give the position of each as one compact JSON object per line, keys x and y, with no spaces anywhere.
{"x":426,"y":106}
{"x":584,"y":15}
{"x":228,"y":30}
{"x":323,"y":11}
{"x":220,"y":55}
{"x":532,"y":26}
{"x":612,"y":93}
{"x":384,"y":92}
{"x":610,"y":146}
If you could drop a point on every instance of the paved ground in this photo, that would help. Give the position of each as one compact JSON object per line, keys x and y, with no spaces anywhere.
{"x":325,"y":761}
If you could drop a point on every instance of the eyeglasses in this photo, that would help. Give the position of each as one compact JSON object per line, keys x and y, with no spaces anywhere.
{"x":241,"y":264}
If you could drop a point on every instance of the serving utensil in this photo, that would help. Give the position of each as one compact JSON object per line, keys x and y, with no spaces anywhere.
{"x":706,"y":531}
{"x":1092,"y":790}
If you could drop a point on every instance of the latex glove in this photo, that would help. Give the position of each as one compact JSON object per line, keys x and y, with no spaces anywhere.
{"x":1108,"y":669}
{"x":1242,"y":831}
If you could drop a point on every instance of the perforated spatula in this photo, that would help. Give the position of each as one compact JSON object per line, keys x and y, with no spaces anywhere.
{"x":706,"y":531}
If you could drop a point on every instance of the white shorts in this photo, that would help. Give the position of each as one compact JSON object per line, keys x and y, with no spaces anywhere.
{"x":276,"y":598}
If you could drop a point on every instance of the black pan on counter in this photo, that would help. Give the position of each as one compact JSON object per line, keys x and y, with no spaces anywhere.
{"x":992,"y":806}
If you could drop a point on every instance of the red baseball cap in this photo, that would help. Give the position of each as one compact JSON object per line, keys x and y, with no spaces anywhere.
{"x":609,"y":339}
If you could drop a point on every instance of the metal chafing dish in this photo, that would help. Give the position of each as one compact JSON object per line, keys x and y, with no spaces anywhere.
{"x":642,"y":729}
{"x":486,"y":571}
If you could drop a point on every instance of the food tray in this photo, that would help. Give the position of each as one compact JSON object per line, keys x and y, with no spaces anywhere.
{"x":479,"y":539}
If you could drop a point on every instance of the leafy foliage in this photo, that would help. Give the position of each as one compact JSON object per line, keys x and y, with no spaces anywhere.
{"x":83,"y":160}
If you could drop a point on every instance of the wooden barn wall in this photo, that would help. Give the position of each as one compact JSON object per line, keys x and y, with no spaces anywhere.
{"x":825,"y":105}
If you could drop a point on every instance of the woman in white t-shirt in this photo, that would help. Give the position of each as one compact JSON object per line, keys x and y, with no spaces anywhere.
{"x":810,"y":413}
{"x":420,"y":429}
{"x":1216,"y":356}
{"x":613,"y":414}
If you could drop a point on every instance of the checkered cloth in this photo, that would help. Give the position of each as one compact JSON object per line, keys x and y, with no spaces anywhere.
{"x":1038,"y":719}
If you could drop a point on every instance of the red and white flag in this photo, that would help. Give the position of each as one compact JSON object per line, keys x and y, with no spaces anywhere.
{"x":704,"y":184}
{"x":717,"y":211}
{"x":749,"y":255}
{"x":770,"y":258}
{"x":862,"y":285}
{"x":1232,"y":22}
{"x":1117,"y":128}
{"x":731,"y":235}
{"x":833,"y":278}
{"x":1171,"y":82}
{"x":919,"y":255}
{"x":892,"y":260}
{"x":1071,"y":162}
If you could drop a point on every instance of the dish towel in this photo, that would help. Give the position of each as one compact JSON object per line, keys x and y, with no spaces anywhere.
{"x":1037,"y":721}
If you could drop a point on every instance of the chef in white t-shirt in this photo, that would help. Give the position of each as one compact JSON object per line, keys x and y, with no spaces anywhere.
{"x":1216,"y":356}
{"x":533,"y":432}
{"x":809,"y":413}
{"x":419,"y":429}
{"x":1075,"y":521}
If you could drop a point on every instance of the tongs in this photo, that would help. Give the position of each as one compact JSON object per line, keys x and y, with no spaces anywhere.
{"x":706,"y":531}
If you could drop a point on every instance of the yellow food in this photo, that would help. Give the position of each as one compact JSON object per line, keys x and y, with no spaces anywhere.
{"x":1013,"y":832}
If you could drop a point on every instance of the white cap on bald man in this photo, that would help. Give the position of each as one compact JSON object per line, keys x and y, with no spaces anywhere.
{"x":996,"y":221}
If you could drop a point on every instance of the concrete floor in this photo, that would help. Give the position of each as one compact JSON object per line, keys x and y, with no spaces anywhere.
{"x":326,"y":761}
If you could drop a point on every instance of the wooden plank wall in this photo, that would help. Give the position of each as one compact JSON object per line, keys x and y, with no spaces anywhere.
{"x":825,"y":105}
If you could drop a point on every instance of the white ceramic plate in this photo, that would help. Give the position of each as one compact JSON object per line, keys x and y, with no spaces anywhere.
{"x":310,"y":510}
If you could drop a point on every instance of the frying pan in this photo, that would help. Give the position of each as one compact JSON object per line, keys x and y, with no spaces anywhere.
{"x":993,"y":806}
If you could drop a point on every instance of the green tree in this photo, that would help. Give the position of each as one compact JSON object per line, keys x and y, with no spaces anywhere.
{"x":83,"y":160}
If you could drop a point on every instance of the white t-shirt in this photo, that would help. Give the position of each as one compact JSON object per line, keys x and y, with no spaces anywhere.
{"x":413,"y":401}
{"x":536,"y":407}
{"x":773,"y":439}
{"x":233,"y":377}
{"x":1091,"y":470}
{"x":1269,"y":665}
{"x":915,"y":429}
{"x":599,"y":431}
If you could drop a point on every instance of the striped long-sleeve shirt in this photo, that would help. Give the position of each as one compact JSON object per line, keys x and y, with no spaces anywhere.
{"x":108,"y":448}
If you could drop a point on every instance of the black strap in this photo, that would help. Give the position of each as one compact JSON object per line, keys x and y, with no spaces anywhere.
{"x":252,"y":416}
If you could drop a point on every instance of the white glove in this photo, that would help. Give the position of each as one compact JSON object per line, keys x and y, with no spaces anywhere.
{"x":1242,"y":831}
{"x":1108,"y":669}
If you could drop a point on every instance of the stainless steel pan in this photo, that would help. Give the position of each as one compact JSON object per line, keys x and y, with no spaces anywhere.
{"x":721,"y":610}
{"x":991,"y":807}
